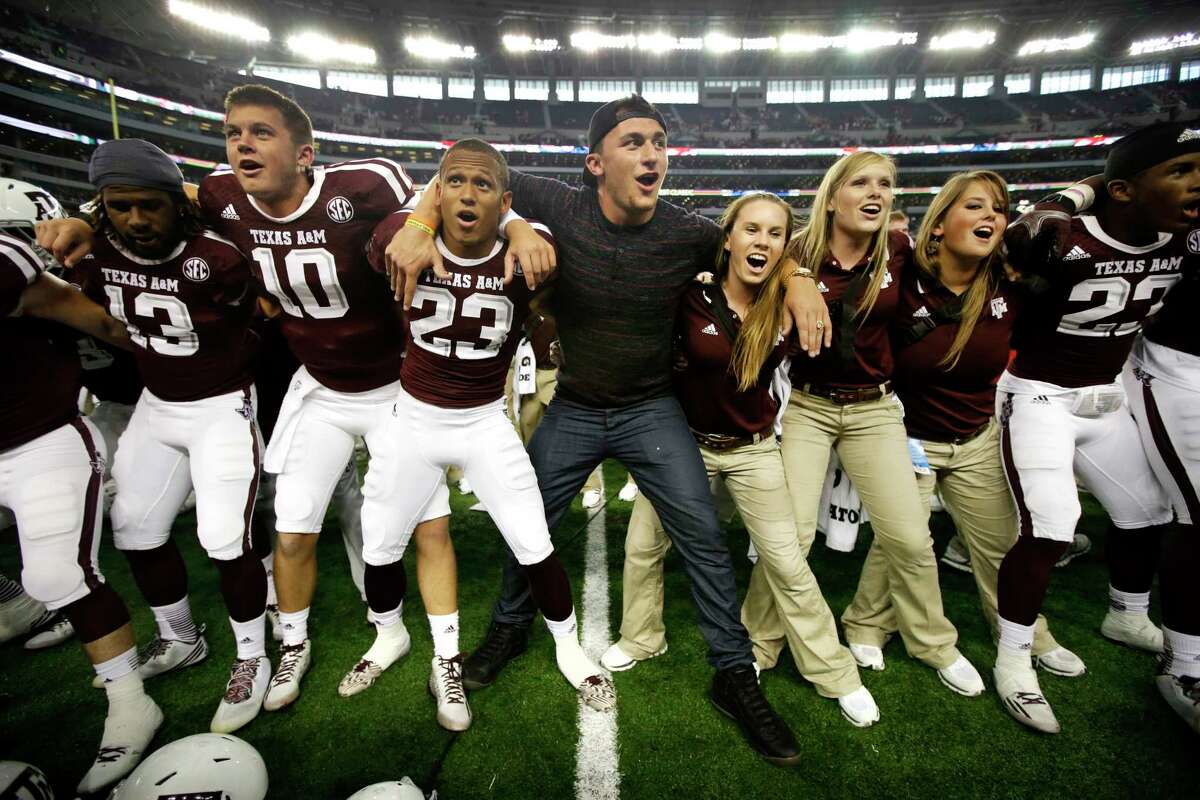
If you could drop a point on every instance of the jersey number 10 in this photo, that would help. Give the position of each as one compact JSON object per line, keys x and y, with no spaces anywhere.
{"x":293,"y":267}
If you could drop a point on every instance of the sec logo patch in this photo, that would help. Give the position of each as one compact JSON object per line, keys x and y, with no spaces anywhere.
{"x":1193,"y":241}
{"x":196,"y":269}
{"x":339,"y":209}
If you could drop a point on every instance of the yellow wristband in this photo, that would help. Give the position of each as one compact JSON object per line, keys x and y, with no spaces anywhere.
{"x":413,"y":222}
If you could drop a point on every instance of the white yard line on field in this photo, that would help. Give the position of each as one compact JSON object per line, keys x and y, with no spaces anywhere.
{"x":597,"y":773}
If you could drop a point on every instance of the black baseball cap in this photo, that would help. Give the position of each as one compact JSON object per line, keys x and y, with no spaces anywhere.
{"x":612,"y":114}
{"x":1150,"y":146}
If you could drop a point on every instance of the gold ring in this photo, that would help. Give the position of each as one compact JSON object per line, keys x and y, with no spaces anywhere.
{"x":820,"y":324}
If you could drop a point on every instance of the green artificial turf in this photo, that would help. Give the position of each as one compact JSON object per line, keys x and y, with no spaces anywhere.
{"x":1119,"y":738}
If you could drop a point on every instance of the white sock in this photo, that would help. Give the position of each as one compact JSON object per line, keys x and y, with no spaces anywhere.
{"x":1182,"y":654}
{"x":1016,"y":644}
{"x":445,"y":634}
{"x":251,"y":637}
{"x":118,"y":667}
{"x":269,"y":566}
{"x":175,"y":621}
{"x":1128,"y":602}
{"x":386,"y":617}
{"x":295,"y":626}
{"x":389,"y":643}
{"x":573,"y":663}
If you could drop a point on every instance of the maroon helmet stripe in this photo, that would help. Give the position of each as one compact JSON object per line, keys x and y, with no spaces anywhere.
{"x":91,"y":505}
{"x":1010,"y":469}
{"x":1162,"y":442}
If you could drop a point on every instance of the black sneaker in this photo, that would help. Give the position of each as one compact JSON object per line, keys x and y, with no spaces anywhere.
{"x":736,"y":693}
{"x":503,"y":642}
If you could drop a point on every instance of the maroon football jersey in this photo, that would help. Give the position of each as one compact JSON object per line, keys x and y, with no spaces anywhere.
{"x":1173,"y":325}
{"x":1080,"y":331}
{"x":338,"y":315}
{"x":109,"y":373}
{"x":463,"y":330}
{"x":871,"y":363}
{"x":41,"y":384}
{"x":943,"y":404}
{"x":188,"y":314}
{"x":706,"y":389}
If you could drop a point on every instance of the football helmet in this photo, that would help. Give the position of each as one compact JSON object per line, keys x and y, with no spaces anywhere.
{"x":403,"y":789}
{"x":22,"y":781}
{"x":210,"y":765}
{"x":22,"y":204}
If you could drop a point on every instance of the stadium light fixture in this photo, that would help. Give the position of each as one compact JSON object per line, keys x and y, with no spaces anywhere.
{"x":317,"y":47}
{"x":431,"y":49}
{"x":854,"y":41}
{"x":591,"y":41}
{"x":1161,"y":44}
{"x":219,"y":21}
{"x":963,"y":40}
{"x":721,"y":43}
{"x":1038,"y":46}
{"x":518,"y":43}
{"x":760,"y":43}
{"x":665,"y":42}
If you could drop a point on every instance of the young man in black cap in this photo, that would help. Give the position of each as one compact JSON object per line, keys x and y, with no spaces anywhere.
{"x":1061,"y":416}
{"x":626,"y":257}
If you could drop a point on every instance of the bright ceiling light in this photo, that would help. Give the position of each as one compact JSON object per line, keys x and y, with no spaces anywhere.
{"x":720,"y":43}
{"x":1038,"y":46}
{"x":317,"y":47}
{"x":855,"y":41}
{"x":433,"y":49}
{"x":1161,"y":44}
{"x":517,"y":43}
{"x":665,"y":43}
{"x":591,"y":41}
{"x":760,"y":43}
{"x":963,"y":40}
{"x":219,"y":21}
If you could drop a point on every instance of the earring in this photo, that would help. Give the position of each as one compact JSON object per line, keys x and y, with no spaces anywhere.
{"x":933,"y":246}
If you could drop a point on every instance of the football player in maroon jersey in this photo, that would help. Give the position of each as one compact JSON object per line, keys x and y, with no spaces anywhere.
{"x":1060,"y":402}
{"x":463,"y":330}
{"x":52,"y":468}
{"x":187,"y":297}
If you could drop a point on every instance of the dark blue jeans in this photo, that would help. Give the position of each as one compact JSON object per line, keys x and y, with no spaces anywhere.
{"x":653,"y":442}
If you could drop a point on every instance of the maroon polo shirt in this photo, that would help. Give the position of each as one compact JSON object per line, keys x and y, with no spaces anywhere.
{"x":706,"y":389}
{"x":872,"y":362}
{"x":943,"y":404}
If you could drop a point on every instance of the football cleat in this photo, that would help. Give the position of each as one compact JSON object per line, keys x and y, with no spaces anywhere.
{"x":276,"y":625}
{"x":956,"y":555}
{"x":598,"y":693}
{"x":962,"y":677}
{"x":445,"y":684}
{"x":248,"y":681}
{"x":464,"y":486}
{"x":1062,"y":662}
{"x":617,"y":660}
{"x":868,"y":656}
{"x":1080,"y":545}
{"x":1182,"y":695}
{"x":294,"y":661}
{"x":360,"y":678}
{"x":21,"y":615}
{"x":55,"y":630}
{"x":1023,"y":699}
{"x":628,"y":492}
{"x":1132,"y":630}
{"x":735,"y":692}
{"x":859,"y":708}
{"x":592,"y":498}
{"x":164,"y":655}
{"x":127,"y":734}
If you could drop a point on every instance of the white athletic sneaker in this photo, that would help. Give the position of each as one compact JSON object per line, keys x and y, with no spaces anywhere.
{"x":294,"y":661}
{"x":1079,"y":546}
{"x":859,"y":708}
{"x":956,"y":555}
{"x":276,"y":625}
{"x":360,"y":678}
{"x":591,"y":498}
{"x":464,"y":486}
{"x":445,"y":684}
{"x":1183,"y":696}
{"x":1132,"y":630}
{"x":164,"y":655}
{"x":868,"y":656}
{"x":598,"y":693}
{"x":617,"y":660}
{"x":628,"y":492}
{"x":127,"y":734}
{"x":21,"y":615}
{"x":55,"y":630}
{"x":1023,"y":699}
{"x":248,"y":681}
{"x":962,"y":677}
{"x":1061,"y":661}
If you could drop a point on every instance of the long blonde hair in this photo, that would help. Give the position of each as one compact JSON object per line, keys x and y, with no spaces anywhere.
{"x":987,"y":277}
{"x":764,"y":317}
{"x":811,"y":246}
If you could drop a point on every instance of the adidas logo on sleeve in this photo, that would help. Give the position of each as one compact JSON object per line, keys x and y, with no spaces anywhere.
{"x":229,"y":212}
{"x":1076,"y":253}
{"x":921,"y":312}
{"x":710,"y":329}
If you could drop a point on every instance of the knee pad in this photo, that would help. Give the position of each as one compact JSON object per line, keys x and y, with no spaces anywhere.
{"x":1051,"y":503}
{"x":129,"y":531}
{"x":294,"y":508}
{"x":228,"y":548}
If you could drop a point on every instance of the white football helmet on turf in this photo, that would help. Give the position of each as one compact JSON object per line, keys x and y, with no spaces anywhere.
{"x":22,"y":204}
{"x":208,"y":765}
{"x":21,"y":781}
{"x":403,"y":789}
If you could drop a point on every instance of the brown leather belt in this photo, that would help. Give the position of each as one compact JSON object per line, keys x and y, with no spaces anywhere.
{"x":720,"y":441}
{"x":970,"y":436}
{"x":844,"y":396}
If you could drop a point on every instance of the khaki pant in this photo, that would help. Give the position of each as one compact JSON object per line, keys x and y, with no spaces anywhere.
{"x":533,"y":407}
{"x":872,"y":445}
{"x":970,"y":478}
{"x":753,"y":475}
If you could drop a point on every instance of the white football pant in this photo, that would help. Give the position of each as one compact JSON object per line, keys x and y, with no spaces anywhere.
{"x":111,"y":419}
